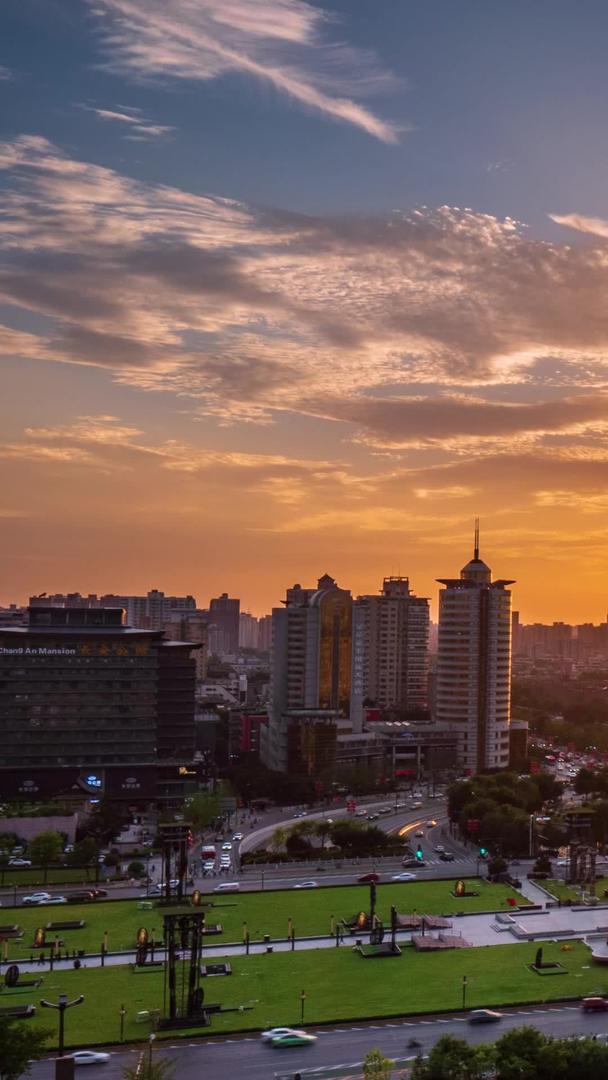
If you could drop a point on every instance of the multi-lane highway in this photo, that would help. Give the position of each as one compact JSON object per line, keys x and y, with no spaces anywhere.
{"x":247,"y":1056}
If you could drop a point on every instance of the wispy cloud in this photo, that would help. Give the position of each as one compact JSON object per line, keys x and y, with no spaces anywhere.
{"x":280,"y":42}
{"x":5,"y":73}
{"x":138,"y":128}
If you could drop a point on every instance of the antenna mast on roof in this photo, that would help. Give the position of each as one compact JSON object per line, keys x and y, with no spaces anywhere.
{"x":476,"y":549}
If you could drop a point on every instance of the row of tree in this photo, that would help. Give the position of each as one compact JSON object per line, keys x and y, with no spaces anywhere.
{"x":347,"y":839}
{"x":522,"y":1054}
{"x":494,"y":809}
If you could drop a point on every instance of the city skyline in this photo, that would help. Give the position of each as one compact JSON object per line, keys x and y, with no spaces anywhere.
{"x":294,"y":288}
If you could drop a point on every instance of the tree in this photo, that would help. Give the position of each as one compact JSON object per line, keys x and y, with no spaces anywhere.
{"x":323,"y":831}
{"x":45,"y":848}
{"x":376,"y":1066}
{"x":202,"y":809}
{"x":497,"y":866}
{"x":278,"y":839}
{"x":136,"y":869}
{"x":85,"y":851}
{"x":454,"y":1059}
{"x":518,"y":1052}
{"x":542,"y":865}
{"x":19,"y":1044}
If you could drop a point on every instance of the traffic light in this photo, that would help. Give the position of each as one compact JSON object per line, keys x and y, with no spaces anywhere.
{"x":483,"y":851}
{"x":419,"y":853}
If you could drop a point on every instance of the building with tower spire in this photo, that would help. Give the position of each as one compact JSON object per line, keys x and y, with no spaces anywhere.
{"x":473,"y":686}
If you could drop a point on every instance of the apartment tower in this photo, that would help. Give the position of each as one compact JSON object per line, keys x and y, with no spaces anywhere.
{"x":473,"y":690}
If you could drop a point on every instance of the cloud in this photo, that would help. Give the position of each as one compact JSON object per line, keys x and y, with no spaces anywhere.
{"x":592,"y":225}
{"x":461,"y":422}
{"x":5,"y":73}
{"x":445,"y":332}
{"x":138,"y":128}
{"x":279,"y":42}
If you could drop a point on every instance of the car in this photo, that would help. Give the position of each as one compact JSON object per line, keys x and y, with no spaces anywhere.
{"x":228,"y":886}
{"x":385,"y":810}
{"x":275,"y":1033}
{"x":227,"y":846}
{"x":238,"y":836}
{"x":161,"y":886}
{"x":405,"y":876}
{"x":55,"y":900}
{"x":440,"y":848}
{"x":306,"y":885}
{"x":446,"y":856}
{"x":19,"y":862}
{"x":295,"y":1038}
{"x":372,"y":817}
{"x":419,"y":832}
{"x":484,"y":1016}
{"x":36,"y":898}
{"x":360,"y":813}
{"x":594,"y":1004}
{"x":410,"y":861}
{"x":431,"y":824}
{"x":399,"y":806}
{"x":89,"y":1057}
{"x":209,"y":866}
{"x":366,"y":879}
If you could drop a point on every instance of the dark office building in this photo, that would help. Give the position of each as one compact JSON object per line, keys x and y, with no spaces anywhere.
{"x":89,"y":704}
{"x":224,"y":615}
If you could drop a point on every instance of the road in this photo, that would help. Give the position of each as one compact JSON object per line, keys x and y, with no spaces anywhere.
{"x":247,"y":1056}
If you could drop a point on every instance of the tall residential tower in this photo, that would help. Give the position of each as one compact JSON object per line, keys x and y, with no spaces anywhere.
{"x":474,"y":663}
{"x":390,"y":650}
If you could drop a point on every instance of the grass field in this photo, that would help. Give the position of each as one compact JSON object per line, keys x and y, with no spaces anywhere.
{"x":339,"y":985}
{"x":264,"y":913}
{"x":572,"y":892}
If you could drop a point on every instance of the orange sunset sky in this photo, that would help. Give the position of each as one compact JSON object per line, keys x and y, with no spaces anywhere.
{"x":290,"y":288}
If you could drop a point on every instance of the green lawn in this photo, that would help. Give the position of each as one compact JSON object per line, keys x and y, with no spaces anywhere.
{"x":339,"y":985}
{"x":264,"y":912}
{"x":572,"y":892}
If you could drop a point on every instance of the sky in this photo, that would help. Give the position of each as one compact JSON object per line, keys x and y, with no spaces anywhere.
{"x":289,"y":288}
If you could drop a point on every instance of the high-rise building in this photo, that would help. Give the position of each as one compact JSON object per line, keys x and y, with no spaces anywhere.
{"x":147,"y":612}
{"x":91,"y":707}
{"x":224,"y":620}
{"x":248,"y":631}
{"x":310,"y":683}
{"x":265,"y":633}
{"x":473,"y":687}
{"x":191,"y":627}
{"x":390,"y":650}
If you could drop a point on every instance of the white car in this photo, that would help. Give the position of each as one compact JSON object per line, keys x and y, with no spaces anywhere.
{"x":306,"y":885}
{"x":90,"y":1057}
{"x":55,"y":900}
{"x":228,"y":886}
{"x":440,"y":848}
{"x":404,"y":877}
{"x":238,"y":836}
{"x":19,"y":862}
{"x":227,"y":846}
{"x":274,"y":1033}
{"x":36,"y":898}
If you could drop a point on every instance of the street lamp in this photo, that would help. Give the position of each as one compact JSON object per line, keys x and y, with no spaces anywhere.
{"x":123,"y":1013}
{"x":61,"y":1006}
{"x":464,"y":991}
{"x":151,"y":1038}
{"x":302,"y":1000}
